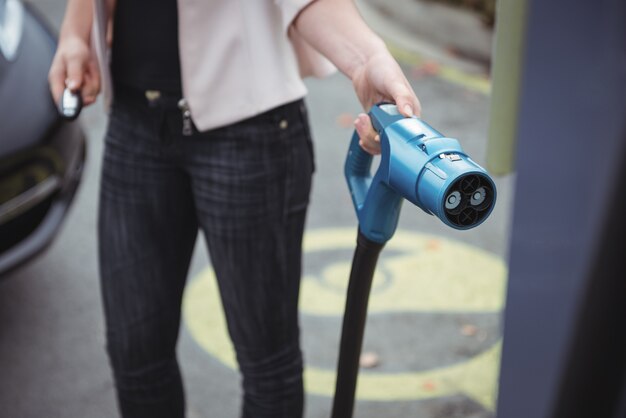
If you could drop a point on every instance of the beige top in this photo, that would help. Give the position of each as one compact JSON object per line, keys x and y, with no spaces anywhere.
{"x":238,"y":58}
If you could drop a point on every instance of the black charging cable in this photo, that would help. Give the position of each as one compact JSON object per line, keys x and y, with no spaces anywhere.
{"x":361,"y":276}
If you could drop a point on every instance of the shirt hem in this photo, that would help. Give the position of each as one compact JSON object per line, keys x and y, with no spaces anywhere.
{"x":209,"y":123}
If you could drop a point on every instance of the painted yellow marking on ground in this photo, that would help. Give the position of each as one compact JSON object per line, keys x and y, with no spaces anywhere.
{"x":454,"y":278}
{"x":475,"y":378}
{"x":425,"y":274}
{"x":477,"y":83}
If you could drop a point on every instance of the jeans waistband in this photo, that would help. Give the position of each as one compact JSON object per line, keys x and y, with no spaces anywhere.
{"x":150,"y":98}
{"x":169,"y":101}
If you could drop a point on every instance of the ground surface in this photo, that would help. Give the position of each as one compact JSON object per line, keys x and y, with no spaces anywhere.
{"x":434,"y":319}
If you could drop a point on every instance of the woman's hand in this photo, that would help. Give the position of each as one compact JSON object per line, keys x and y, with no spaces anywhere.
{"x":74,"y":67}
{"x":381,"y":79}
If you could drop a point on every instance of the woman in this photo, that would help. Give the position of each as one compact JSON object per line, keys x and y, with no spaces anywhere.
{"x":208,"y":131}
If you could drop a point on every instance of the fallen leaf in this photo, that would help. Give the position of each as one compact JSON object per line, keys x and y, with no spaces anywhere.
{"x":469,"y":330}
{"x":452,"y":51}
{"x":346,"y":120}
{"x":369,"y":360}
{"x":433,"y":245}
{"x":427,"y":68}
{"x":432,"y":67}
{"x":417,"y":73}
{"x":429,"y":385}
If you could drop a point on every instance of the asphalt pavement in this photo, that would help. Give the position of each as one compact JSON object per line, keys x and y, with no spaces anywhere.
{"x":434,"y":324}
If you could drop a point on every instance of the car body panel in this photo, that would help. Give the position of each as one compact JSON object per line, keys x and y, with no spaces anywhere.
{"x":41,"y":155}
{"x":27,"y":111}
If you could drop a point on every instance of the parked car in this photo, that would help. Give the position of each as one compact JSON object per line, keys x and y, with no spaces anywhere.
{"x":41,"y":155}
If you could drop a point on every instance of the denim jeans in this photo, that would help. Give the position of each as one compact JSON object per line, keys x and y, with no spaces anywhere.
{"x":246,"y":187}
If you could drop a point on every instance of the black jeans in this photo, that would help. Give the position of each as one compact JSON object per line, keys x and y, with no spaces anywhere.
{"x":246,"y":187}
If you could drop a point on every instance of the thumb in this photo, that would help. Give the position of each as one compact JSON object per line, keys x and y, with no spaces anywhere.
{"x":407,"y":102}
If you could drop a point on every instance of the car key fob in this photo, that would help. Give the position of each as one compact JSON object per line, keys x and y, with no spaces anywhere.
{"x":71,"y":104}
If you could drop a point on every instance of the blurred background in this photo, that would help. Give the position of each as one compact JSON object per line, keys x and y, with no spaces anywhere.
{"x":434,"y":354}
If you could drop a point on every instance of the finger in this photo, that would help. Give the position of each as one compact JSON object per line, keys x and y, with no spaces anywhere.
{"x":109,"y":34}
{"x":369,"y":139}
{"x":75,"y":74}
{"x":56,"y":79}
{"x":87,"y":100}
{"x":91,"y":86}
{"x":407,"y":102}
{"x":94,"y":77}
{"x":364,"y":128}
{"x":369,"y":149}
{"x":372,"y":146}
{"x":88,"y":95}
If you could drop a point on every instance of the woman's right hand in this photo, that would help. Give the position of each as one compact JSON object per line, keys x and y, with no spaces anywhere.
{"x":75,"y":67}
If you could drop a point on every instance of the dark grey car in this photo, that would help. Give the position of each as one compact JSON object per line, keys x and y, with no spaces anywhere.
{"x":41,"y":155}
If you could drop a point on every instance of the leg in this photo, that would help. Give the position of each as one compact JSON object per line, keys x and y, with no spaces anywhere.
{"x":251,"y":187}
{"x":147,"y":229}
